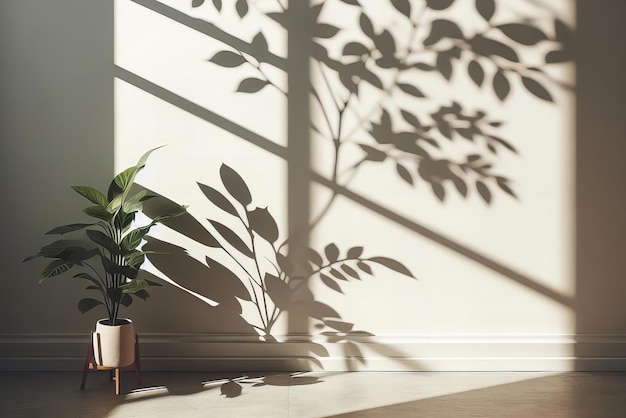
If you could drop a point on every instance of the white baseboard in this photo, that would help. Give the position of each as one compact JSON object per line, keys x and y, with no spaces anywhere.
{"x":195,"y":352}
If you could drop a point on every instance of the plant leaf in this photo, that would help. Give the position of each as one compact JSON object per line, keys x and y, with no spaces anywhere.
{"x":332,"y":252}
{"x":284,"y":264}
{"x":537,"y":89}
{"x":483,"y":190}
{"x":251,"y":85}
{"x":439,"y":191}
{"x":522,"y":33}
{"x":564,"y":33}
{"x":115,"y":204}
{"x":263,"y":223}
{"x":235,"y":185}
{"x":366,"y":26}
{"x":392,"y":265}
{"x":503,"y":143}
{"x":502,"y":182}
{"x":114,"y":294}
{"x":228,"y":59}
{"x":134,"y":286}
{"x":135,"y":259}
{"x":113,"y":268}
{"x":557,"y":56}
{"x":122,"y":183}
{"x":87,"y":304}
{"x":142,"y":294}
{"x":444,"y":65}
{"x":55,"y":268}
{"x":134,"y":203}
{"x":132,"y":240}
{"x":501,"y":85}
{"x":103,"y":240}
{"x":355,"y":252}
{"x":90,"y":278}
{"x":460,"y":185}
{"x":411,"y":119}
{"x":403,"y":6}
{"x":93,"y":195}
{"x":319,"y":310}
{"x":325,"y":31}
{"x":364,"y":267}
{"x":488,"y":47}
{"x":314,"y":257}
{"x":98,"y":212}
{"x":328,"y":281}
{"x":387,"y":46}
{"x":242,"y":8}
{"x":373,"y":154}
{"x":350,"y":271}
{"x":61,"y":230}
{"x":404,"y":173}
{"x":337,"y":274}
{"x":411,"y":89}
{"x":259,"y":45}
{"x":126,"y":300}
{"x":63,"y":249}
{"x":439,"y":4}
{"x":232,"y":238}
{"x":476,"y":73}
{"x":486,"y":8}
{"x":442,"y":28}
{"x":279,"y":291}
{"x":355,"y":48}
{"x":218,"y":199}
{"x":339,"y":325}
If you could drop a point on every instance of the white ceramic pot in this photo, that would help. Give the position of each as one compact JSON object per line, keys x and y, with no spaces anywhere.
{"x":114,"y":346}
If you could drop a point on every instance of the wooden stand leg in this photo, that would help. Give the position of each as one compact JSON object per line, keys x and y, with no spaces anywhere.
{"x":137,"y":360}
{"x":117,"y":381}
{"x":87,"y":361}
{"x":114,"y":373}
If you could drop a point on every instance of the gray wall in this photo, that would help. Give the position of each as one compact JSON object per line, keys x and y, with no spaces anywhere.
{"x":56,"y":130}
{"x":601,"y":171}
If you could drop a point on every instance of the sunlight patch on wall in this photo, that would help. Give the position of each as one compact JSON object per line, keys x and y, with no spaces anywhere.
{"x":442,"y":146}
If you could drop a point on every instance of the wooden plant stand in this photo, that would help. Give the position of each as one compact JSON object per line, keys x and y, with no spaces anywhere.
{"x":90,"y":364}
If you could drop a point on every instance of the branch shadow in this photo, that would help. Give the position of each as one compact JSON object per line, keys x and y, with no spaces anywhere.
{"x":274,"y":291}
{"x":436,"y":172}
{"x":359,"y":68}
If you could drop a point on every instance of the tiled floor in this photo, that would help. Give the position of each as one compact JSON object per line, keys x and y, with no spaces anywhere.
{"x":362,"y":394}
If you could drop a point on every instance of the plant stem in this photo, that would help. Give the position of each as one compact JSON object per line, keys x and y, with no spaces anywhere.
{"x":262,"y":281}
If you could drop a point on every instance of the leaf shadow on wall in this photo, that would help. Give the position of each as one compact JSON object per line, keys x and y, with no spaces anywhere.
{"x":238,"y":273}
{"x":376,"y":62}
{"x":492,"y":60}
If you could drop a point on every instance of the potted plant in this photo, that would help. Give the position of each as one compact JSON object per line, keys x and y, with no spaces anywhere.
{"x":109,"y":257}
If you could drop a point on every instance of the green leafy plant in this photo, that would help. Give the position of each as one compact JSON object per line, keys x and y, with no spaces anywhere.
{"x":112,"y":264}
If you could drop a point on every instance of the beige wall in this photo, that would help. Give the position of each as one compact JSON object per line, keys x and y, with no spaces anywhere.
{"x":518,"y":284}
